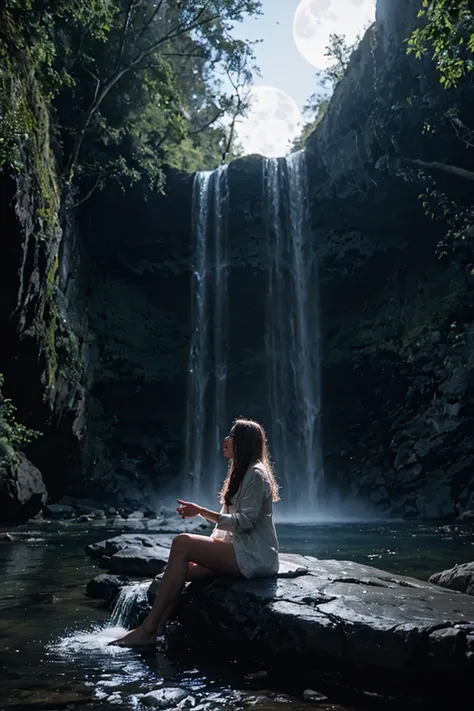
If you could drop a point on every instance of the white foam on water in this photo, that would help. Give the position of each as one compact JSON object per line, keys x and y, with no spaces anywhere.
{"x":96,"y":639}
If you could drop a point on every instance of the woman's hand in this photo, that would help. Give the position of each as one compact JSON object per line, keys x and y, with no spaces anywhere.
{"x":187,"y":509}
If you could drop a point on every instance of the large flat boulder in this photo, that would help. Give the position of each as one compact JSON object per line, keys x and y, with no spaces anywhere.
{"x":137,"y":554}
{"x":460,"y":578}
{"x":372,"y":627}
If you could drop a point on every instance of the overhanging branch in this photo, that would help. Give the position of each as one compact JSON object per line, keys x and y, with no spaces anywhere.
{"x":442,"y":167}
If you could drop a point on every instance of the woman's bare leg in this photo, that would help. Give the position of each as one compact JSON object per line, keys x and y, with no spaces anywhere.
{"x":195,"y":572}
{"x":214,"y":555}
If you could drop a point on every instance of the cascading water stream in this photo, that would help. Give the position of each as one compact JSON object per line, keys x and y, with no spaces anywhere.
{"x":129,"y":600}
{"x":276,"y":323}
{"x":220,"y":194}
{"x":198,"y":373}
{"x":206,"y":405}
{"x":293,"y":335}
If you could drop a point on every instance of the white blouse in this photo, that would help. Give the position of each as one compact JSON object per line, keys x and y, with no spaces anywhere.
{"x":248,"y":523}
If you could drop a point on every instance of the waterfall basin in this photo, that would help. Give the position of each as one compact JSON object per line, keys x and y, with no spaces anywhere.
{"x":53,"y":640}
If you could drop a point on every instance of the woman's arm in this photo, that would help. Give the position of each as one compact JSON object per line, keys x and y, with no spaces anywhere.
{"x":188,"y":510}
{"x":209,"y":515}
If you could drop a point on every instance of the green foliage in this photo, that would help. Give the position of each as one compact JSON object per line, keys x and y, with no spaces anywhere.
{"x":134,"y":84}
{"x":458,"y":219}
{"x":13,"y":435}
{"x":29,"y":80}
{"x":29,"y":34}
{"x":447,"y":34}
{"x":339,"y":53}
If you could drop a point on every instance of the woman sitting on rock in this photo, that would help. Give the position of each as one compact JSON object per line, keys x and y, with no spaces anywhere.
{"x":244,"y":541}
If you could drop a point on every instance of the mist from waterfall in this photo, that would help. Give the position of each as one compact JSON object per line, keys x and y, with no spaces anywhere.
{"x":293,"y":337}
{"x":206,"y":400}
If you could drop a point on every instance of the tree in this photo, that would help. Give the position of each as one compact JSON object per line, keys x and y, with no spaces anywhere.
{"x":133,"y":80}
{"x":339,"y":53}
{"x":153,"y":38}
{"x":29,"y":48}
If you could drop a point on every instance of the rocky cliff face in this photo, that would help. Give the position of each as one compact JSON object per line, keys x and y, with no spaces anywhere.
{"x":95,"y":308}
{"x":397,"y":362}
{"x":138,"y":308}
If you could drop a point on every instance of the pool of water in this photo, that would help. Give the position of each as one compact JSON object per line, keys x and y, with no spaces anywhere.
{"x":53,"y":640}
{"x":418,"y":550}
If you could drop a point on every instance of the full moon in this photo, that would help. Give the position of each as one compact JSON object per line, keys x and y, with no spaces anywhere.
{"x":273,"y":121}
{"x":316,"y":20}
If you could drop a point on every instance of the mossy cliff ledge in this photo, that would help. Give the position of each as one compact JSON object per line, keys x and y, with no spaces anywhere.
{"x":44,"y":354}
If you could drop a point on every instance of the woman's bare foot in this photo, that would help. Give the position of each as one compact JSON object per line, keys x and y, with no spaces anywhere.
{"x":139,"y":637}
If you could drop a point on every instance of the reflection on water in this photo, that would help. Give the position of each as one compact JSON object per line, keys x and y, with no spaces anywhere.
{"x":53,"y":640}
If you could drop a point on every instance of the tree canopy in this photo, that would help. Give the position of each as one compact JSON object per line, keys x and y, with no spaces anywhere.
{"x":134,"y":84}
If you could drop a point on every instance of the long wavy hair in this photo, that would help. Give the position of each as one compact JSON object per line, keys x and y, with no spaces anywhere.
{"x":249,"y":444}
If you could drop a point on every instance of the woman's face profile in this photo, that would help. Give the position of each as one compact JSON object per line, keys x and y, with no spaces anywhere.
{"x":229,"y":446}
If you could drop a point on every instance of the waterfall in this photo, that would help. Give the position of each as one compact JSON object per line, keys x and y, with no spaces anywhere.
{"x":131,"y":600}
{"x":206,"y":403}
{"x":289,"y":360}
{"x":293,"y":335}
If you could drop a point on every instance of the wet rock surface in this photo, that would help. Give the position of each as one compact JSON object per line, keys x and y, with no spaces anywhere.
{"x":22,"y":489}
{"x":105,"y":587}
{"x":341,"y":622}
{"x":132,"y":554}
{"x":58,"y":511}
{"x":460,"y":578}
{"x":165,"y":698}
{"x":370,"y":626}
{"x":136,"y":560}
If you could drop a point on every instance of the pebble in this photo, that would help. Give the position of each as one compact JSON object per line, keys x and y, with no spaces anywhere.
{"x":311,"y":695}
{"x":163,"y":698}
{"x":114,"y":698}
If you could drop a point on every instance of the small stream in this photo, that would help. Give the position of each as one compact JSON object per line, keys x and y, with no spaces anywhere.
{"x":53,"y":640}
